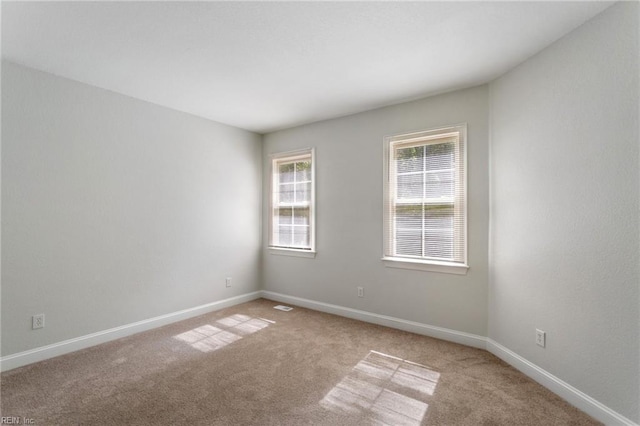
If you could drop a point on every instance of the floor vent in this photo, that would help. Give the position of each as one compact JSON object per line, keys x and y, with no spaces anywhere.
{"x":283,"y":308}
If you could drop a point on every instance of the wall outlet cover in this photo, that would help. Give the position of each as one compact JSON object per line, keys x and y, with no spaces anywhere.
{"x":541,"y":338}
{"x":37,"y":321}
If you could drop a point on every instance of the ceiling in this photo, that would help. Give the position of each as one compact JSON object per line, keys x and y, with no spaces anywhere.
{"x":265,"y":66}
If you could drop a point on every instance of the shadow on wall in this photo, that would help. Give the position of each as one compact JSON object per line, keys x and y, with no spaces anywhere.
{"x":388,"y":389}
{"x":209,"y":338}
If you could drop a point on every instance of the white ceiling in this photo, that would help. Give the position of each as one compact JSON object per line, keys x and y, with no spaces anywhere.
{"x":265,"y":66}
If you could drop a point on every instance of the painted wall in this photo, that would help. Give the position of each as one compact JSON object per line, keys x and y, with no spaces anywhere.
{"x":349,"y":154}
{"x":116,"y":210}
{"x":564,"y":209}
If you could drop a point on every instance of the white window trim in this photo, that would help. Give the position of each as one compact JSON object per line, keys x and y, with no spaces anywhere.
{"x":426,"y":265}
{"x":290,"y":251}
{"x":422,"y":264}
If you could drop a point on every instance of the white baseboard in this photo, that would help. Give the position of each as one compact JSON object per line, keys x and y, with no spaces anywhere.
{"x":45,"y":352}
{"x":463,"y":338}
{"x":572,"y":395}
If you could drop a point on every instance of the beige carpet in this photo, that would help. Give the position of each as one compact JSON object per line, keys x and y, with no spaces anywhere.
{"x":253,"y":365}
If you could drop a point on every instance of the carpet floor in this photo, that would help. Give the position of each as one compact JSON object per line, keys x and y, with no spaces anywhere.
{"x":253,"y":365}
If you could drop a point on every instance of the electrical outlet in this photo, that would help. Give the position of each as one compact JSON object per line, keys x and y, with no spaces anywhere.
{"x":541,"y":338}
{"x":227,"y":281}
{"x":37,"y":321}
{"x":360,"y":291}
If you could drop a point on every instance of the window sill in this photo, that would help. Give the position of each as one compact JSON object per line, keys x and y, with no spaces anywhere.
{"x":425,"y":265}
{"x":292,"y":252}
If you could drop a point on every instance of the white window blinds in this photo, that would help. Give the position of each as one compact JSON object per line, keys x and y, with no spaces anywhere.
{"x":292,"y":201}
{"x":425,"y":211}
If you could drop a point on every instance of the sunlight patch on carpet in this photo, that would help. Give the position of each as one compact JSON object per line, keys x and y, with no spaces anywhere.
{"x":389,"y":389}
{"x":209,"y":338}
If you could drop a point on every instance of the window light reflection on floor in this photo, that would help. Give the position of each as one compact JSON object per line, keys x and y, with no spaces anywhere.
{"x":209,"y":338}
{"x":388,"y":389}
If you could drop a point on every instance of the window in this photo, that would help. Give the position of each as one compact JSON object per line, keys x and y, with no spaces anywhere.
{"x":425,"y":200}
{"x":292,"y":202}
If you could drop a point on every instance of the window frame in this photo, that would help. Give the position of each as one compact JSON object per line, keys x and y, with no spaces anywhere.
{"x":423,"y":263}
{"x":279,"y":158}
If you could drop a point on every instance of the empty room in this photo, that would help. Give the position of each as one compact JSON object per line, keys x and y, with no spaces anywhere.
{"x":320,"y":213}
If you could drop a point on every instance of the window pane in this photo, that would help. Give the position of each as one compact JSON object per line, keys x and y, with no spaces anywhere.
{"x":301,"y":236}
{"x":408,"y":242}
{"x":286,"y":172}
{"x":301,"y":216}
{"x":303,"y":192}
{"x":303,"y":171}
{"x":439,"y":156}
{"x":409,"y":159}
{"x":438,"y":231}
{"x":438,"y":244}
{"x":439,"y":185}
{"x":439,"y":216}
{"x":410,"y":186}
{"x":284,"y":236}
{"x":286,"y":193}
{"x":409,"y":217}
{"x":283,"y":215}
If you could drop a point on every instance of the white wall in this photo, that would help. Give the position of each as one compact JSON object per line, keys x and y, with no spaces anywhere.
{"x":115,"y":210}
{"x":564,"y":209}
{"x":349,"y":217}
